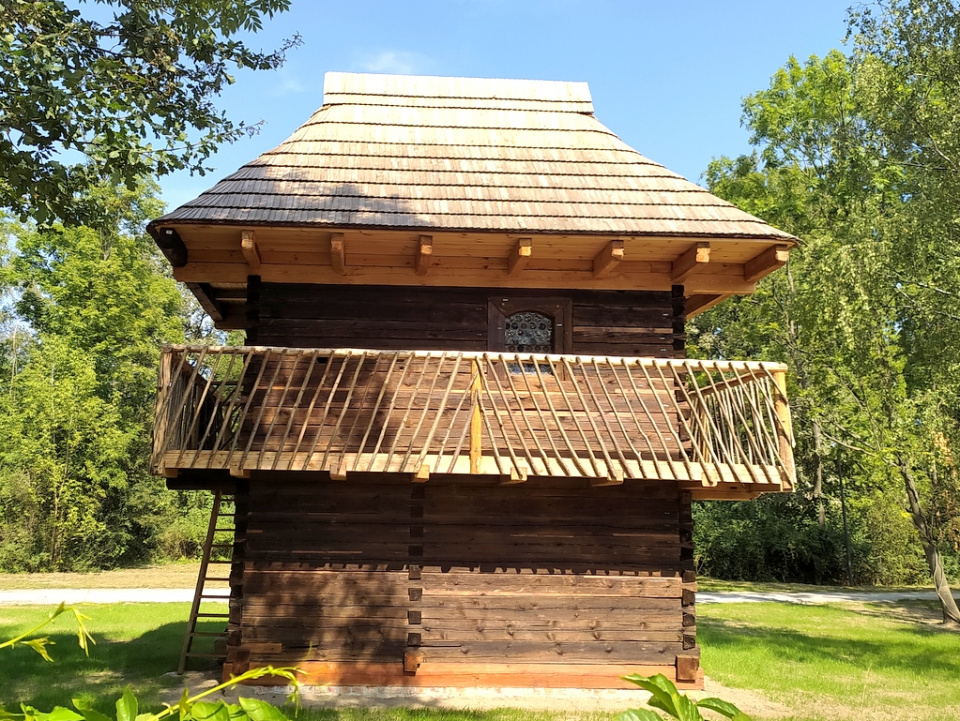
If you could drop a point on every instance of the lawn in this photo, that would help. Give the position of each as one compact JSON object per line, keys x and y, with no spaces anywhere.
{"x":876,"y":662}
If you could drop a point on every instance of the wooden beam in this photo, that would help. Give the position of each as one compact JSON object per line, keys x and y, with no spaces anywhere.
{"x":338,"y":253}
{"x":422,"y":475}
{"x":699,"y":303}
{"x":170,"y":244}
{"x":608,"y":258}
{"x":204,"y":294}
{"x":251,"y":251}
{"x":630,"y":276}
{"x":614,"y":478}
{"x":423,"y":256}
{"x":516,"y":476}
{"x":766,"y":262}
{"x":692,"y":260}
{"x":520,"y":256}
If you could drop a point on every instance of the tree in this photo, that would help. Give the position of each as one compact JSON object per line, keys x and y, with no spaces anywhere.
{"x":845,"y":162}
{"x":134,"y":95}
{"x":76,"y":407}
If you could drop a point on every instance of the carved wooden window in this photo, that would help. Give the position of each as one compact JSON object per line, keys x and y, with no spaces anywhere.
{"x":520,"y":324}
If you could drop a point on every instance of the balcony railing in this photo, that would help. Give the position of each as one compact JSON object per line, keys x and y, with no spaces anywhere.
{"x":709,"y":423}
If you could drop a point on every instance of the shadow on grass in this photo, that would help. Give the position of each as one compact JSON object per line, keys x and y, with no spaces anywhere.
{"x":914,"y":649}
{"x":100,"y":678}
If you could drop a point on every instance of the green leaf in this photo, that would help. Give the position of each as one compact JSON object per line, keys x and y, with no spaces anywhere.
{"x":663,"y":692}
{"x":720,"y":706}
{"x":59,"y":713}
{"x":639,"y":714}
{"x":40,"y":646}
{"x":88,"y":713}
{"x":261,"y":710}
{"x":127,"y":706}
{"x":210,"y":711}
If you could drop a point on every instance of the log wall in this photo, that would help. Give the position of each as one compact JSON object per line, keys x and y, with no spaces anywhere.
{"x":462,"y":581}
{"x":619,"y":323}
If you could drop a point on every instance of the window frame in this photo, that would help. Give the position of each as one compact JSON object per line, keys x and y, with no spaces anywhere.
{"x":559,"y":309}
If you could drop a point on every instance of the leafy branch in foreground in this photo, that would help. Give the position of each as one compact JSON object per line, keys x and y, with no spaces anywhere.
{"x":40,"y":644}
{"x":664,"y":696}
{"x":189,"y":708}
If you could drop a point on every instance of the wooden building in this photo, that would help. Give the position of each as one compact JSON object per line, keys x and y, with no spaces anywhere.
{"x":464,"y":436}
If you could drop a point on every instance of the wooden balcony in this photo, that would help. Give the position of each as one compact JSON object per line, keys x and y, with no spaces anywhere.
{"x":720,"y":428}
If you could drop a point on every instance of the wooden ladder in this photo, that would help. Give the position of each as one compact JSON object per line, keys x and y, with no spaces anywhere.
{"x":212,"y":570}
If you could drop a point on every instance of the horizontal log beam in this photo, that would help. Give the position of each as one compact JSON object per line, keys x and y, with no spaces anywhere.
{"x":766,"y":262}
{"x":694,"y":259}
{"x":698,"y":303}
{"x":170,"y":244}
{"x":608,"y":259}
{"x":520,"y":256}
{"x":338,"y":254}
{"x":251,"y":251}
{"x":424,"y":253}
{"x":630,"y":276}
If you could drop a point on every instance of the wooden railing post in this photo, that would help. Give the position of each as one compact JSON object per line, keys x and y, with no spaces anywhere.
{"x":162,"y":412}
{"x":476,"y":422}
{"x":784,"y":428}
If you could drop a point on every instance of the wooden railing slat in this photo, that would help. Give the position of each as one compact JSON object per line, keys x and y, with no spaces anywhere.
{"x":423,"y":412}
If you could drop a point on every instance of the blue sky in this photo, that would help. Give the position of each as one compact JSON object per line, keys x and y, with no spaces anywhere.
{"x":668,"y":79}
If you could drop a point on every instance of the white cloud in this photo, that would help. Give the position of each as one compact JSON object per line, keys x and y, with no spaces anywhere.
{"x":396,"y":62}
{"x":287,"y":84}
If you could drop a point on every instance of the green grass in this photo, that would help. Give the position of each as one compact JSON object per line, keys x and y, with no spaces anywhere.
{"x":875,"y":662}
{"x":880,"y":661}
{"x":135,"y":643}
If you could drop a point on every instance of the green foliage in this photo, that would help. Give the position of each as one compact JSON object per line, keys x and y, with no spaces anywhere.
{"x":775,"y":538}
{"x":664,"y":696}
{"x":858,"y":155}
{"x":133,"y":94}
{"x":91,"y":310}
{"x":191,"y":707}
{"x":40,"y":643}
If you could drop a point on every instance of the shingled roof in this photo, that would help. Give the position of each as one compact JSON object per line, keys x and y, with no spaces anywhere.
{"x":404,"y":152}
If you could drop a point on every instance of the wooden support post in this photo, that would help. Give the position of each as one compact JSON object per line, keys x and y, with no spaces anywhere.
{"x":689,"y":262}
{"x":423,"y":256}
{"x":784,"y":427}
{"x":170,"y":244}
{"x":338,"y":253}
{"x":476,"y":420}
{"x":608,"y":259}
{"x":766,"y":262}
{"x":251,"y":251}
{"x":520,"y":256}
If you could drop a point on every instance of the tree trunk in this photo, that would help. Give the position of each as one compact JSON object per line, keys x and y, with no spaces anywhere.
{"x":818,"y":475}
{"x":951,"y":614}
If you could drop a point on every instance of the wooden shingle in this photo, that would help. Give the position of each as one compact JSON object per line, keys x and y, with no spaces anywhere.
{"x":464,"y":154}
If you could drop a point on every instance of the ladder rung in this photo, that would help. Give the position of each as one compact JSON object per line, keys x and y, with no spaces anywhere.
{"x":205,"y":633}
{"x":213,"y":615}
{"x":191,"y":654}
{"x":225,"y":530}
